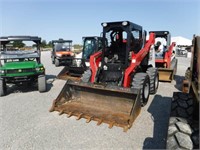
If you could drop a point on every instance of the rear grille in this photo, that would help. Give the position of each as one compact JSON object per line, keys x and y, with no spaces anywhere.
{"x":21,"y":70}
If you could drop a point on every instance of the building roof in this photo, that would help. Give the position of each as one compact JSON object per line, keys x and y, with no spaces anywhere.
{"x":181,"y":41}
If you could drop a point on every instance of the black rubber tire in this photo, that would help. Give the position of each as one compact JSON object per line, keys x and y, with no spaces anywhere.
{"x":57,"y":63}
{"x":195,"y":139}
{"x":3,"y":87}
{"x":86,"y":76}
{"x":154,"y":79}
{"x":182,"y":105}
{"x":53,"y":60}
{"x":42,"y":85}
{"x":141,"y":81}
{"x":179,"y":134}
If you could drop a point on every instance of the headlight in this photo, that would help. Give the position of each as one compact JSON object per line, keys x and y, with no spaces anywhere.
{"x":2,"y":71}
{"x":105,"y":67}
{"x":125,"y":23}
{"x":104,"y":24}
{"x":59,"y":55}
{"x":39,"y":69}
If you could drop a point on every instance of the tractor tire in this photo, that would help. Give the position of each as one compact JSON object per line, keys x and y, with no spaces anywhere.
{"x":182,"y":105}
{"x":53,"y":60}
{"x":195,"y":139}
{"x":3,"y":88}
{"x":42,"y":85}
{"x":179,"y":134}
{"x":154,"y":79}
{"x":57,"y":63}
{"x":141,"y":81}
{"x":86,"y":76}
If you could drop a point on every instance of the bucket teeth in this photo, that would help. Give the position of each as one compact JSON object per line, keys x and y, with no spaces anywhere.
{"x":88,"y":119}
{"x":111,"y":125}
{"x":79,"y":116}
{"x":99,"y":122}
{"x":70,"y":114}
{"x":126,"y":128}
{"x":61,"y":112}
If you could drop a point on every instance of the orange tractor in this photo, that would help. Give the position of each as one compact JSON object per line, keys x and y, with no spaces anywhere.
{"x":118,"y":81}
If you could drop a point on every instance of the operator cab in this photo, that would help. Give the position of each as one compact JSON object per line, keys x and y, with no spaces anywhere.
{"x":123,"y":39}
{"x":164,"y":37}
{"x":91,"y":45}
{"x":62,"y":45}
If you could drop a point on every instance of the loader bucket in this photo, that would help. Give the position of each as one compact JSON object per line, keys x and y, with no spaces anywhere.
{"x":167,"y":74}
{"x":115,"y":106}
{"x":72,"y":73}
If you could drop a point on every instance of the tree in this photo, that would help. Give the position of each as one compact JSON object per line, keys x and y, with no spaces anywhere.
{"x":18,"y":44}
{"x":43,"y":44}
{"x":77,"y":46}
{"x":49,"y":44}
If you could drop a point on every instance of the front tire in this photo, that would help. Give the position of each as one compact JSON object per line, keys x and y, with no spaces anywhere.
{"x":57,"y":63}
{"x":86,"y":76}
{"x":154,"y":79}
{"x":3,"y":88}
{"x":141,"y":81}
{"x":42,"y":85}
{"x":53,"y":60}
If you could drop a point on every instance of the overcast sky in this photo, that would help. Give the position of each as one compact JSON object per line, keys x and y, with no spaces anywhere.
{"x":73,"y":19}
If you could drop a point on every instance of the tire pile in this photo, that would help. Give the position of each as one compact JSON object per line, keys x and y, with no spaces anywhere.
{"x":183,"y":130}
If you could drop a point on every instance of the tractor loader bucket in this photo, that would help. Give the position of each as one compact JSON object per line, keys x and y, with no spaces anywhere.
{"x":63,"y":73}
{"x":116,"y":106}
{"x":72,"y":73}
{"x":167,"y":74}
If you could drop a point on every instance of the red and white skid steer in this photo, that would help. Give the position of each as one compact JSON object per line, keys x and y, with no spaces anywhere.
{"x":118,"y":81}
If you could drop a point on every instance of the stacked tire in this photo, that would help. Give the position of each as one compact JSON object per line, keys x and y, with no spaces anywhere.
{"x":183,"y":131}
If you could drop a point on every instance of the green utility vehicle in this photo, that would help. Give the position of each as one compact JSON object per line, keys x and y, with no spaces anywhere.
{"x":18,"y":66}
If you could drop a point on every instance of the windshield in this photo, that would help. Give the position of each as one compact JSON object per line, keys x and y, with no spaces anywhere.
{"x":19,"y":54}
{"x":63,"y":46}
{"x":116,"y":44}
{"x":89,"y":48}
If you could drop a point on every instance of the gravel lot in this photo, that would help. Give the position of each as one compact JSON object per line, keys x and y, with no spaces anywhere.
{"x":27,"y":124}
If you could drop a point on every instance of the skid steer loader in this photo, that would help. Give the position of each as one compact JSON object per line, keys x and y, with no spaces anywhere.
{"x":118,"y":81}
{"x":167,"y":62}
{"x":91,"y":44}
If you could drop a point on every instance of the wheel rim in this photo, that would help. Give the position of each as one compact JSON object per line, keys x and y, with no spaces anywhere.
{"x":156,"y":82}
{"x":146,"y":90}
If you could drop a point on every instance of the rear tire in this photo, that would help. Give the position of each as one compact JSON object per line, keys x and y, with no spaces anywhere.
{"x":3,"y":88}
{"x":179,"y":134}
{"x":154,"y":79}
{"x":57,"y":63}
{"x":141,"y":81}
{"x":86,"y":76}
{"x":42,"y":85}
